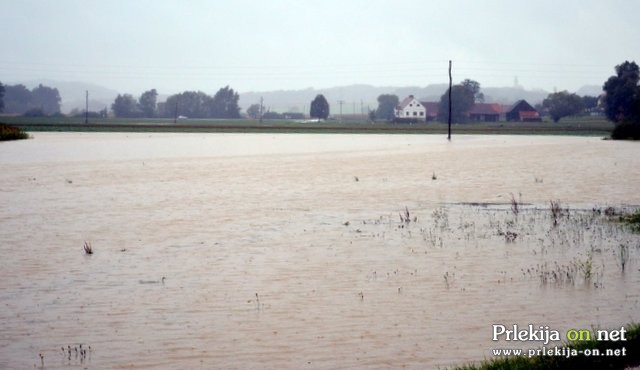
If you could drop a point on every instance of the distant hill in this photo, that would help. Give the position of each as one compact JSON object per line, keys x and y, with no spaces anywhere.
{"x":590,"y":90}
{"x":355,"y":96}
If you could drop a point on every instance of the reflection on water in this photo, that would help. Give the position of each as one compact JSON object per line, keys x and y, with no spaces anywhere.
{"x":274,"y":256}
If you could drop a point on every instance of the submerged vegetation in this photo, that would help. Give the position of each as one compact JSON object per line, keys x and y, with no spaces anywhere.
{"x":632,"y":220}
{"x":11,"y":133}
{"x":552,"y":246}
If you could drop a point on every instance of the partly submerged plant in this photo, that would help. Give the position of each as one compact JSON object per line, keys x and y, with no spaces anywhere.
{"x":11,"y":133}
{"x":87,"y":248}
{"x":632,"y":220}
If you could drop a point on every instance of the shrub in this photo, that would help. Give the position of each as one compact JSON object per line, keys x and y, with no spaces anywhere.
{"x":11,"y":133}
{"x":626,"y":131}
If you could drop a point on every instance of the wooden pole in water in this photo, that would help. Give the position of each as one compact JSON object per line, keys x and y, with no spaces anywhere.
{"x":86,"y":111}
{"x":261,"y":108}
{"x":450,"y":79}
{"x":175,"y":112}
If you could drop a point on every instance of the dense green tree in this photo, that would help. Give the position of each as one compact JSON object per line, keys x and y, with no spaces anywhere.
{"x":387,"y":104}
{"x":371,"y":115}
{"x":1,"y":97}
{"x":622,"y":101}
{"x":17,"y":99}
{"x":225,"y":104}
{"x":463,"y":97}
{"x":590,"y":102}
{"x":192,"y":104}
{"x":41,"y":99}
{"x":147,"y":103}
{"x":254,"y":111}
{"x":319,"y":107}
{"x":474,"y":87}
{"x":125,"y":106}
{"x":563,"y":104}
{"x":622,"y":94}
{"x":46,"y":99}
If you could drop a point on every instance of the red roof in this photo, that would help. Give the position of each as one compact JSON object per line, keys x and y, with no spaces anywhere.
{"x":483,"y":108}
{"x":529,"y":114}
{"x":432,"y":108}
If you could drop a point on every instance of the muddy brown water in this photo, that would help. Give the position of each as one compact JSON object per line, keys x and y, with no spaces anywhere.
{"x":289,"y":252}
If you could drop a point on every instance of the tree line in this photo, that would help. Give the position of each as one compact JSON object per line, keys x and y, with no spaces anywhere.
{"x":620,"y":101}
{"x":191,"y":104}
{"x":39,"y":101}
{"x":319,"y":109}
{"x":468,"y":92}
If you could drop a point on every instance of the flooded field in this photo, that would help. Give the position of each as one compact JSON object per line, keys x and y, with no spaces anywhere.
{"x":241,"y":251}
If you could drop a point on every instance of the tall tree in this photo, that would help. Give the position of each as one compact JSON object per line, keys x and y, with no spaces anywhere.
{"x":1,"y":97}
{"x":17,"y":99}
{"x":319,"y":107}
{"x":590,"y":102}
{"x":387,"y":104}
{"x":463,"y":97}
{"x":46,"y":99}
{"x":192,"y":104}
{"x":225,"y":104}
{"x":622,"y":94}
{"x":147,"y":103}
{"x":563,"y":104}
{"x":125,"y":106}
{"x":42,"y":99}
{"x":474,"y":87}
{"x":254,"y":111}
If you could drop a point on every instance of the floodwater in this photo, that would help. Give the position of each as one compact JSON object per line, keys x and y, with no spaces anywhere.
{"x":292,"y":252}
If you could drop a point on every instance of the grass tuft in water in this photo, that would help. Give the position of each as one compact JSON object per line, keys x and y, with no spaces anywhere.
{"x":632,"y":220}
{"x":556,"y":211}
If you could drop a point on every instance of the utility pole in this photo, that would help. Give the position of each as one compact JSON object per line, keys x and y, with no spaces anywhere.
{"x":86,"y":111}
{"x":450,"y":79}
{"x":340,"y":102}
{"x":261,"y":108}
{"x":175,"y":112}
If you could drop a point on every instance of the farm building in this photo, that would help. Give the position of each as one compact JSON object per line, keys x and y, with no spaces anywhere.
{"x":432,"y":109}
{"x":411,"y":110}
{"x":522,"y":111}
{"x":481,"y":112}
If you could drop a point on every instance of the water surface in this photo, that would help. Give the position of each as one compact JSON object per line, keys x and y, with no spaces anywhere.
{"x":288,"y":251}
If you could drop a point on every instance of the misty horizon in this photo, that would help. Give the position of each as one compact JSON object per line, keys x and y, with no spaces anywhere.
{"x":357,"y":97}
{"x":256,"y":47}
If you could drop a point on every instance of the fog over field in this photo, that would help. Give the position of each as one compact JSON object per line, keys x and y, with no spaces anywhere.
{"x":280,"y":45}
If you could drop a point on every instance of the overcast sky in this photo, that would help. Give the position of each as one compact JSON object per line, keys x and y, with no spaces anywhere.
{"x":133,"y":45}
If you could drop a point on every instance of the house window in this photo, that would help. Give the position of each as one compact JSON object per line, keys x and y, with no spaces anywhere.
{"x":421,"y":113}
{"x":407,"y":114}
{"x":415,"y":114}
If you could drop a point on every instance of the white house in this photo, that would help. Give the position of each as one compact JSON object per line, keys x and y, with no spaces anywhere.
{"x":409,"y":109}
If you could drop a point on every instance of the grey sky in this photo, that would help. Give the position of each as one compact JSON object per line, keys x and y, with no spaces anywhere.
{"x":172,"y":46}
